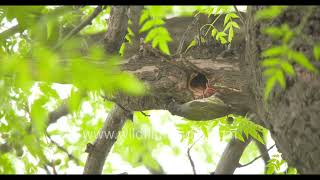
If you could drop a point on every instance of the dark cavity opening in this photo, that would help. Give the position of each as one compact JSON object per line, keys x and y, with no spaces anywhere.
{"x":199,"y":82}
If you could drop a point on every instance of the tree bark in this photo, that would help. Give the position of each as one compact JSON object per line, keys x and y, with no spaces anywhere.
{"x":99,"y":150}
{"x":292,"y":116}
{"x":230,"y":158}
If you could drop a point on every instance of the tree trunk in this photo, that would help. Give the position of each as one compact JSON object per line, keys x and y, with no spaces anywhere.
{"x":292,"y":116}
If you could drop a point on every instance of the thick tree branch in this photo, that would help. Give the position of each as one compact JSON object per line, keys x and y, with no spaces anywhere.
{"x":230,"y":158}
{"x":99,"y":150}
{"x":117,"y":29}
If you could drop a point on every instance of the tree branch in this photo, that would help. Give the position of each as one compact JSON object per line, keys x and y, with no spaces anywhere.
{"x":189,"y":155}
{"x":239,"y":13}
{"x":9,"y":32}
{"x":78,"y":28}
{"x":230,"y":158}
{"x":58,"y":113}
{"x":266,"y":152}
{"x":117,"y":29}
{"x":99,"y":150}
{"x":70,"y":156}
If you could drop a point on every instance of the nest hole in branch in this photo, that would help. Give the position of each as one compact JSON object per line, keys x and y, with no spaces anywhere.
{"x":198,"y":82}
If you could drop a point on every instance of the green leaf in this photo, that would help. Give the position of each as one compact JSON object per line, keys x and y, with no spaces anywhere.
{"x":302,"y":60}
{"x":220,"y":34}
{"x":226,"y":19}
{"x":39,"y":115}
{"x":204,"y":130}
{"x":271,"y":82}
{"x":316,"y":52}
{"x":192,"y":43}
{"x":151,"y":34}
{"x":164,"y":47}
{"x":144,"y":16}
{"x":287,"y":68}
{"x":234,"y":24}
{"x":230,"y":37}
{"x":270,"y":71}
{"x":223,"y":40}
{"x":214,"y":32}
{"x":271,"y":62}
{"x":269,"y":12}
{"x":239,"y":136}
{"x":275,"y":51}
{"x":234,"y":15}
{"x":227,"y":26}
{"x":146,"y":26}
{"x":291,"y":170}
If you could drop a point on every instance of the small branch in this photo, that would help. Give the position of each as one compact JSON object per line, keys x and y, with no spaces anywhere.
{"x":9,"y":32}
{"x":239,"y":13}
{"x":184,"y":36}
{"x":263,"y":150}
{"x":240,"y":165}
{"x":83,"y":24}
{"x":143,"y":113}
{"x":189,"y":155}
{"x":70,"y":156}
{"x":46,"y":169}
{"x":58,"y":113}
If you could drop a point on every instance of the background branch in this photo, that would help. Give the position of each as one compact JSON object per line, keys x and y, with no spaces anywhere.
{"x":231,"y":156}
{"x":83,"y":24}
{"x":266,"y":152}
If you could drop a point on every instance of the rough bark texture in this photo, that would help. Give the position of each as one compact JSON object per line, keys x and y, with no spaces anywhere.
{"x":99,"y":150}
{"x":292,"y":116}
{"x":117,"y":28}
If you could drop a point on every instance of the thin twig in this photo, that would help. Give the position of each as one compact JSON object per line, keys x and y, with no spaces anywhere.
{"x":70,"y":156}
{"x":243,"y":165}
{"x":46,"y":169}
{"x":184,"y":36}
{"x":83,"y":24}
{"x":189,"y":155}
{"x":241,"y":17}
{"x":143,"y":113}
{"x":114,"y":101}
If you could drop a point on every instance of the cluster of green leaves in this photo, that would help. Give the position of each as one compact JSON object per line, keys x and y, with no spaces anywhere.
{"x":152,"y":21}
{"x":275,"y":163}
{"x":279,"y":59}
{"x":31,"y":63}
{"x":237,"y":126}
{"x":140,"y":137}
{"x":228,"y":25}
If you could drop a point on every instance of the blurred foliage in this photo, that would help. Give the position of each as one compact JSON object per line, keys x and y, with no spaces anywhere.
{"x":38,"y":75}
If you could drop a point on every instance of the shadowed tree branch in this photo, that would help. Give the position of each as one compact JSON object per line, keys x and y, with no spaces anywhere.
{"x":99,"y":150}
{"x":229,"y":160}
{"x":83,"y":24}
